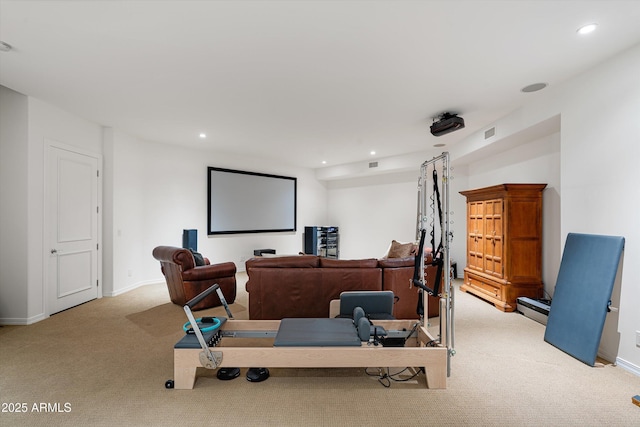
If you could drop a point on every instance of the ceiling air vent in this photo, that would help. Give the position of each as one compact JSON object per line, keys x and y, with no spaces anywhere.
{"x":373,"y":165}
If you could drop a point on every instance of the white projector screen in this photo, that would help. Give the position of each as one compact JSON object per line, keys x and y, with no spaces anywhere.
{"x":250,"y":202}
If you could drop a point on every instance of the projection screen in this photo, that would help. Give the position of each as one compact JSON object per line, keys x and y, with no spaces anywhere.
{"x":250,"y":202}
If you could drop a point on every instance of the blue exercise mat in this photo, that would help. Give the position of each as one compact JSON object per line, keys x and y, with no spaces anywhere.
{"x":582,"y":294}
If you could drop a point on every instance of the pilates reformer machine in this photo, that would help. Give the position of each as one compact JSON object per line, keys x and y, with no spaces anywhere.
{"x":362,"y":340}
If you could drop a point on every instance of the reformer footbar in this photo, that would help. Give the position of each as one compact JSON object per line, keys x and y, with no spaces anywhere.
{"x":208,"y":359}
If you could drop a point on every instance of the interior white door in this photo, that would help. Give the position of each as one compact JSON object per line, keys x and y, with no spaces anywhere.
{"x":73,"y":216}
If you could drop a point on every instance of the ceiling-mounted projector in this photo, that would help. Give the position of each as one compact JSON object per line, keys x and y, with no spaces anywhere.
{"x":446,"y":123}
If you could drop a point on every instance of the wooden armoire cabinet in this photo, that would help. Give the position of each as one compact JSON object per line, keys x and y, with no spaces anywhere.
{"x":504,"y":243}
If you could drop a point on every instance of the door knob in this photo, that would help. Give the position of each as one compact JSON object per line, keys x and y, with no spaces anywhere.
{"x":54,"y":251}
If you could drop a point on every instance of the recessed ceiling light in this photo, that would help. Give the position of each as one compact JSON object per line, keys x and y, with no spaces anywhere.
{"x":373,"y":153}
{"x":203,"y":135}
{"x":534,"y":87}
{"x":586,"y":29}
{"x":324,"y":162}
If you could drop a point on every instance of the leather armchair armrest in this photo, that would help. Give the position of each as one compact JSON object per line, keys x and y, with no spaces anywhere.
{"x":208,"y":272}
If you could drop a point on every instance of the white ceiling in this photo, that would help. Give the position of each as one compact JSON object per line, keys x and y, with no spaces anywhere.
{"x":301,"y":81}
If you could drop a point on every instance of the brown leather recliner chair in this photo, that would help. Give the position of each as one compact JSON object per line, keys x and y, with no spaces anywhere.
{"x":185,"y":280}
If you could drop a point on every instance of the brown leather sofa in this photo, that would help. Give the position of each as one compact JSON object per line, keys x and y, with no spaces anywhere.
{"x":185,"y":280}
{"x":303,"y":286}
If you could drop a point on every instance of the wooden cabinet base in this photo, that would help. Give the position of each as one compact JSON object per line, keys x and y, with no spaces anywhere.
{"x":502,"y":295}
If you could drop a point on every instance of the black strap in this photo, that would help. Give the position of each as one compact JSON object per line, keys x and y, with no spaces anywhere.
{"x":416,"y":276}
{"x":417,"y":263}
{"x":436,"y":253}
{"x":436,"y":285}
{"x":416,"y":273}
{"x":436,"y":259}
{"x":433,"y":228}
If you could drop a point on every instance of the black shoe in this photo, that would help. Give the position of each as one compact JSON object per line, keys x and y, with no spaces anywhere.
{"x":226,"y":374}
{"x":256,"y":375}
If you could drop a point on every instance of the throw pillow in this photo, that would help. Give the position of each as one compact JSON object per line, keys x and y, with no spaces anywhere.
{"x":400,"y":250}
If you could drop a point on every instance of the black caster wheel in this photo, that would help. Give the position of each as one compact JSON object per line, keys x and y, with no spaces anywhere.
{"x":168,"y":384}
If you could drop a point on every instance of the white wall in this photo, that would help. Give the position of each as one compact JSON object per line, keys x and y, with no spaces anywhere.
{"x":375,"y":210}
{"x":49,"y":124}
{"x":157,"y":190}
{"x":600,"y":174}
{"x":599,"y":148}
{"x":372,"y":212}
{"x":30,"y":125}
{"x":533,"y":162}
{"x":14,"y":261}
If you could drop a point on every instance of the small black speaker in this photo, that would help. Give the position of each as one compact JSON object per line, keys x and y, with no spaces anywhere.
{"x":190,"y":239}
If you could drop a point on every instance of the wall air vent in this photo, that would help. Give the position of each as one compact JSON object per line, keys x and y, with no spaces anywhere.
{"x":489,"y":133}
{"x":373,"y":165}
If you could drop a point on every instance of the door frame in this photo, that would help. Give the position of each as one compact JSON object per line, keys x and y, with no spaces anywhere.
{"x":46,"y":232}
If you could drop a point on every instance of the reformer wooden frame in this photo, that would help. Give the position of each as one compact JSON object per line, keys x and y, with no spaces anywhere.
{"x":432,"y":359}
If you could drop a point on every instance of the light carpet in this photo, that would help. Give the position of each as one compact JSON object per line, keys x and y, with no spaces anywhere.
{"x":105,"y":363}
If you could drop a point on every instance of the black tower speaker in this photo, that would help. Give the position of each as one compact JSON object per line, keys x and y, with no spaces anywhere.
{"x":190,"y":239}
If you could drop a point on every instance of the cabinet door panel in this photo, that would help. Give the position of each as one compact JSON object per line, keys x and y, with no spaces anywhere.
{"x":493,"y":237}
{"x":476,"y":236}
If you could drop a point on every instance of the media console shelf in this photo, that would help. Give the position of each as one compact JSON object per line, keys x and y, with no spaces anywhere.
{"x":322,"y":241}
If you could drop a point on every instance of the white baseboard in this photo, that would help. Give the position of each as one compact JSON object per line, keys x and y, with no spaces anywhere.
{"x":131,"y":287}
{"x":21,"y":321}
{"x":628,"y":366}
{"x":606,"y":355}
